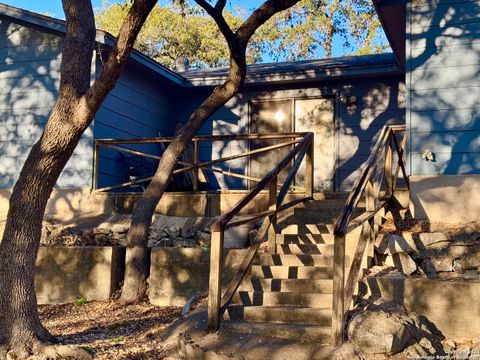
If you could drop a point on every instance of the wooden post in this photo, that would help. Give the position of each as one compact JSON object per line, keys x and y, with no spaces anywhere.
{"x":338,"y":314}
{"x":388,"y":168}
{"x":96,"y":157}
{"x":196,"y":160}
{"x":309,"y":170}
{"x":369,"y":196}
{"x":215,"y":280}
{"x":272,"y":205}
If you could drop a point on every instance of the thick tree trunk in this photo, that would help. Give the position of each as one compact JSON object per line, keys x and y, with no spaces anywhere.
{"x":135,"y":283}
{"x":20,"y":327}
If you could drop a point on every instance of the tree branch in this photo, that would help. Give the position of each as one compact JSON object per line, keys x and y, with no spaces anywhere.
{"x":120,"y":53}
{"x":220,"y":5}
{"x":259,"y":17}
{"x":76,"y":58}
{"x":216,"y":14}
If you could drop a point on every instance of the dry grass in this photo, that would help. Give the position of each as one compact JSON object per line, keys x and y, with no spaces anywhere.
{"x":110,"y":331}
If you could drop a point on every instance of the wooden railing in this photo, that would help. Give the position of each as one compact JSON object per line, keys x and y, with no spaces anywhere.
{"x":217,"y":304}
{"x":198,"y":168}
{"x":379,"y":165}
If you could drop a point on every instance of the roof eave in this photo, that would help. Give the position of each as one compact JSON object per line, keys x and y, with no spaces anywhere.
{"x":392,"y":15}
{"x":299,"y":77}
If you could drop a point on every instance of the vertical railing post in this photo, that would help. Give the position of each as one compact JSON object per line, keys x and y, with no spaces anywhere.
{"x":309,"y":170}
{"x":370,"y":196}
{"x":272,"y":205}
{"x":215,"y":280}
{"x":196,"y":160}
{"x":388,"y":166}
{"x":338,"y":316}
{"x":96,"y":157}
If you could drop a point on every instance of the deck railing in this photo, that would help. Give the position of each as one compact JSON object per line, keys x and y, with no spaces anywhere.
{"x":195,"y":165}
{"x":218,"y":303}
{"x":378,"y":166}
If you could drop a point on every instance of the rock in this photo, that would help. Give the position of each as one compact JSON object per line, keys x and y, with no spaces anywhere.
{"x":156,"y":234}
{"x":102,"y":239}
{"x":188,"y":233}
{"x":166,"y":242}
{"x":346,"y":351}
{"x":394,"y":244}
{"x":378,"y":332}
{"x":102,"y":231}
{"x":425,"y":240}
{"x":151,"y":243}
{"x":402,"y":262}
{"x":185,"y":242}
{"x":120,"y":228}
{"x":203,"y":237}
{"x":173,"y":231}
{"x":442,"y":263}
{"x":458,"y":266}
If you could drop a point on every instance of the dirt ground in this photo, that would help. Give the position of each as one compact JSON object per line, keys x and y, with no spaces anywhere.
{"x":110,"y":331}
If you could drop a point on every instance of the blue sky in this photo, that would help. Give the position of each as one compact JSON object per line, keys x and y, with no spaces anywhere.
{"x":54,"y":8}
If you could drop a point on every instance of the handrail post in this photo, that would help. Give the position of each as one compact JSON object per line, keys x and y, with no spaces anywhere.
{"x":272,"y":205}
{"x":196,"y":160}
{"x":215,"y":280}
{"x":338,"y":315}
{"x":388,"y":167}
{"x":96,"y":157}
{"x":369,"y":196}
{"x":309,"y":170}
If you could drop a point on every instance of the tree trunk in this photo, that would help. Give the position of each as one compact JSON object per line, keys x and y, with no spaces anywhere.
{"x":135,"y":283}
{"x":20,"y":327}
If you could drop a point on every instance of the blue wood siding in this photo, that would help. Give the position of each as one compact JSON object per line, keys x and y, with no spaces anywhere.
{"x":140,"y":105}
{"x":29,"y":77}
{"x":379,"y":101}
{"x":443,"y":80}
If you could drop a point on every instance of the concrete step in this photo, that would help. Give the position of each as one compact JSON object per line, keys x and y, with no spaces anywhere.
{"x":294,"y":260}
{"x":274,"y":298}
{"x":313,"y":333}
{"x":277,"y":314}
{"x":320,"y":249}
{"x":313,"y":228}
{"x":292,"y":272}
{"x":287,"y":285}
{"x":287,"y":239}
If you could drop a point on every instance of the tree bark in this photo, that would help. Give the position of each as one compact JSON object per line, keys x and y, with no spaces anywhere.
{"x":20,"y":326}
{"x":135,"y":283}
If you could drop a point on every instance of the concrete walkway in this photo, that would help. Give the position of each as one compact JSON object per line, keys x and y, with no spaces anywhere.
{"x":195,"y":342}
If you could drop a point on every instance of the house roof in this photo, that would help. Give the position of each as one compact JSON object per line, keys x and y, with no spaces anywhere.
{"x":301,"y":71}
{"x":102,"y":37}
{"x":271,"y":73}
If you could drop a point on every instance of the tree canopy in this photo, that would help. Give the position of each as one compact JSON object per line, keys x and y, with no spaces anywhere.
{"x":307,"y":30}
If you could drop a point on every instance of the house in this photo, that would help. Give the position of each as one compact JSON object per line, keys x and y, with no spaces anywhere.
{"x":429,"y":83}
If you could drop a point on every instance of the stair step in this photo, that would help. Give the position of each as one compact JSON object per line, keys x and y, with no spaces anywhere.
{"x":313,"y":333}
{"x":285,"y":239}
{"x":308,"y":229}
{"x":276,"y":314}
{"x":273,"y":298}
{"x":287,"y":285}
{"x":320,"y":249}
{"x":292,"y":272}
{"x":294,"y":260}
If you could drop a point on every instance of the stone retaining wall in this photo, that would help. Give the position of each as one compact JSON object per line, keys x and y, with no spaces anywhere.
{"x":453,"y":307}
{"x":177,"y":274}
{"x":63,"y":274}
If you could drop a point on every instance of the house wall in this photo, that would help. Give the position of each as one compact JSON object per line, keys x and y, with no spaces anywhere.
{"x":443,"y":112}
{"x":29,"y":78}
{"x":140,"y":105}
{"x":379,"y":101}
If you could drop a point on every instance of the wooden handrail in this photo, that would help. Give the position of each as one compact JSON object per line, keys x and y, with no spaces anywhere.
{"x":188,"y":166}
{"x":217,"y":304}
{"x":367,"y":183}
